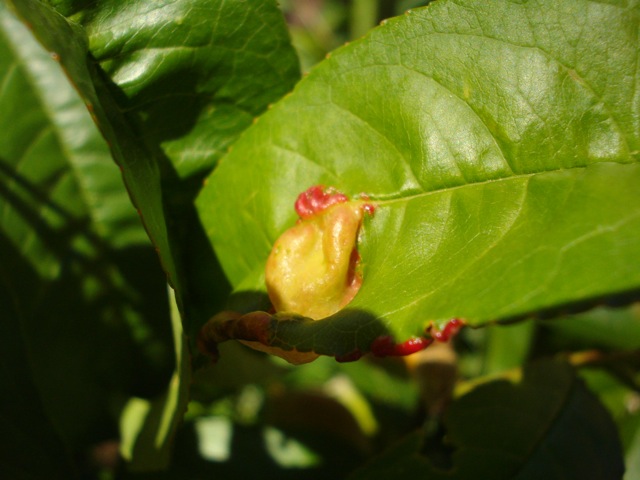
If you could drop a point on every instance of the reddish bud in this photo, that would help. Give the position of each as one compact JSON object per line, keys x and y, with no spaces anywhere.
{"x":385,"y":346}
{"x":316,"y":199}
{"x":449,"y":331}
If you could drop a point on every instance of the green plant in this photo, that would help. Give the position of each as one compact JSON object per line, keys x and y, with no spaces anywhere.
{"x":491,"y":154}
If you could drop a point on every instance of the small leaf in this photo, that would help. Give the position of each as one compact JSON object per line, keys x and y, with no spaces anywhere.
{"x":499,"y":144}
{"x":546,"y":426}
{"x":147,"y":427}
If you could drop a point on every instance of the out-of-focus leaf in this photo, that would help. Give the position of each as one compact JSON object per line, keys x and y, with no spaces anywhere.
{"x":507,"y":346}
{"x":547,"y":426}
{"x":80,"y":279}
{"x":631,"y":431}
{"x":30,"y":447}
{"x":147,"y":427}
{"x":622,"y":402}
{"x":499,"y":142}
{"x":612,"y":328}
{"x":615,"y":395}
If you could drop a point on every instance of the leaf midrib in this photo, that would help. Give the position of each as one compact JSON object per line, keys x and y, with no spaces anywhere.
{"x":381,"y":200}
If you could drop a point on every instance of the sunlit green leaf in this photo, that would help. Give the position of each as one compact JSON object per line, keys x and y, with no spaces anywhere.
{"x":194,"y":72}
{"x":499,"y":142}
{"x":190,"y":77}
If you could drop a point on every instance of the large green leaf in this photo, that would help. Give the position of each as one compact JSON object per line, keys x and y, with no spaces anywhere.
{"x":74,"y":258}
{"x":195,"y":89}
{"x":195,"y":72}
{"x":190,"y":76}
{"x":547,"y":426}
{"x":500,"y":143}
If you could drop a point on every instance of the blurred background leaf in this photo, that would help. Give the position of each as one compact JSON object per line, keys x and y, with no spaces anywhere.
{"x":547,"y":425}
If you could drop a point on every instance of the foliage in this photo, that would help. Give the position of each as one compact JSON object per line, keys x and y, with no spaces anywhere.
{"x":152,"y":155}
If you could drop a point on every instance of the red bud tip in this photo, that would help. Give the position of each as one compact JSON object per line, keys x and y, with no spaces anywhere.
{"x":316,"y":199}
{"x":449,"y":331}
{"x":385,"y":346}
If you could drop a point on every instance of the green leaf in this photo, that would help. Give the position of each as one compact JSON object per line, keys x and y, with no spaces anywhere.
{"x":499,"y":142}
{"x":609,"y":328}
{"x":190,"y":77}
{"x":140,"y":167}
{"x":147,"y":427}
{"x":74,"y":257}
{"x":202,"y":71}
{"x":547,"y":426}
{"x":507,"y":346}
{"x":632,"y":456}
{"x":27,"y":431}
{"x":195,"y":73}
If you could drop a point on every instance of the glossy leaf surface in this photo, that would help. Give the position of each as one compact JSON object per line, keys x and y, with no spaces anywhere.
{"x":194,"y":73}
{"x":189,"y":77}
{"x":546,"y":426}
{"x":185,"y":86}
{"x":140,"y":166}
{"x":500,"y":144}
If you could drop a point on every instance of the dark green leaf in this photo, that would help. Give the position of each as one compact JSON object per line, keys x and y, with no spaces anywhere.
{"x":30,"y":447}
{"x":611,"y":328}
{"x":500,"y":143}
{"x":140,"y":167}
{"x":547,"y":426}
{"x":80,"y":281}
{"x":189,"y":76}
